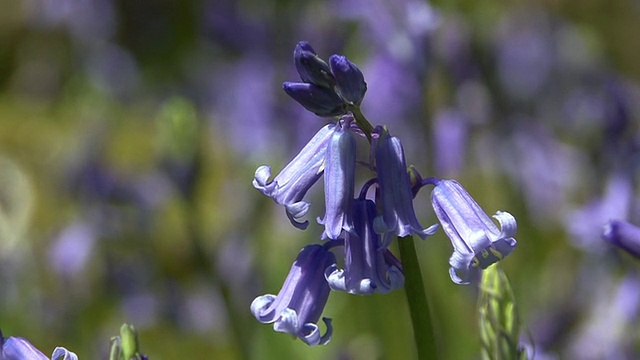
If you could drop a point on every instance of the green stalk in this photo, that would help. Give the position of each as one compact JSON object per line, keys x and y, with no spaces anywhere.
{"x":361,"y":121}
{"x":417,"y":300}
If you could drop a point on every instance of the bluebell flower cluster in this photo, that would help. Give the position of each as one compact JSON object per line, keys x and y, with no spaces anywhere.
{"x":366,"y":225}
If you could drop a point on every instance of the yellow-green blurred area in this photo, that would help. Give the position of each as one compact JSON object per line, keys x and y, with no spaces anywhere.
{"x":130,"y":132}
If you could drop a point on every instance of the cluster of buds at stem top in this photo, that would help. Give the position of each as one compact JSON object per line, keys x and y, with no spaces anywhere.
{"x":326,"y":89}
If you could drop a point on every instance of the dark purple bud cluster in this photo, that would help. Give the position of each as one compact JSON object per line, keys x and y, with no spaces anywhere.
{"x":325,"y":90}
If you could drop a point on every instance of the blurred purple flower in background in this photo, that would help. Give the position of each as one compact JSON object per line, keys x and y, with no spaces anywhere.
{"x":524,"y":53}
{"x":72,"y":249}
{"x":230,"y":86}
{"x":608,"y":329}
{"x":585,"y":223}
{"x":450,"y":134}
{"x":623,"y":235}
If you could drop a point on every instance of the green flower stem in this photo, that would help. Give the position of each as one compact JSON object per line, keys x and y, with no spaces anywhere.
{"x":417,"y":299}
{"x":362,"y":121}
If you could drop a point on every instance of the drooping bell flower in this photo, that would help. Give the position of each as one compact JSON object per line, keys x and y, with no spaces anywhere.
{"x":339,"y":178}
{"x":298,"y":306}
{"x":290,"y":186}
{"x":476,"y":239}
{"x":368,"y":267}
{"x":398,"y":216}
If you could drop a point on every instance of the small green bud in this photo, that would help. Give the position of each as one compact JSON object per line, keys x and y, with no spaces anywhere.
{"x":129,"y":341}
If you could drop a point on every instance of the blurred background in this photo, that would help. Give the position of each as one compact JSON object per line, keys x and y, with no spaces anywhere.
{"x":130,"y":132}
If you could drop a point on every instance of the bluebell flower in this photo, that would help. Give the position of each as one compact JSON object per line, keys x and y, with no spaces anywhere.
{"x":17,"y":348}
{"x":339,"y":178}
{"x":349,"y":79}
{"x":623,"y":235}
{"x":319,"y":100}
{"x":61,"y":353}
{"x":476,"y":239}
{"x":289,"y":187}
{"x":398,"y":216}
{"x":311,"y":68}
{"x":368,"y":266}
{"x":298,"y":306}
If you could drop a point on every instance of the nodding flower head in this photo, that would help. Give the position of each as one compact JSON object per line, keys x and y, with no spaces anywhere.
{"x":368,"y":267}
{"x":398,"y":216}
{"x":289,"y":187}
{"x":298,"y":306}
{"x":476,"y":239}
{"x":339,"y":178}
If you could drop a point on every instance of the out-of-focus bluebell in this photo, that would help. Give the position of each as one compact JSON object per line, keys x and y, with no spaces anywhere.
{"x":401,"y":29}
{"x":114,"y":71}
{"x":452,"y":45}
{"x":450,"y":137}
{"x":61,"y":353}
{"x":398,"y":216}
{"x":71,"y":250}
{"x":339,"y":179}
{"x":610,"y":320}
{"x":584,"y":223}
{"x":17,"y":348}
{"x":349,"y":79}
{"x":319,"y":100}
{"x":90,"y":23}
{"x":367,"y":268}
{"x":298,"y":306}
{"x":546,"y":169}
{"x":226,"y":88}
{"x":289,"y":187}
{"x":524,"y":53}
{"x":477,"y":241}
{"x":623,"y":235}
{"x":311,"y":68}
